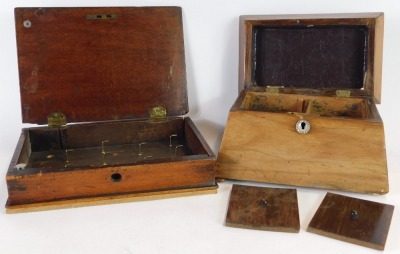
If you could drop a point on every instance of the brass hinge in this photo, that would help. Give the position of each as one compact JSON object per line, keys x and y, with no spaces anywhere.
{"x":158,"y":113}
{"x":343,"y":93}
{"x":273,"y":89}
{"x":56,"y":119}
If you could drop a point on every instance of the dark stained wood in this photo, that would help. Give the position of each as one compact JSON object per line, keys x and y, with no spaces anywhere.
{"x":308,"y":66}
{"x":100,"y":69}
{"x":23,"y":149}
{"x":195,"y":140}
{"x":262,"y":208}
{"x":121,"y":132}
{"x":110,"y":180}
{"x":352,"y":220}
{"x":113,"y":68}
{"x":45,"y":139}
{"x":48,"y":177}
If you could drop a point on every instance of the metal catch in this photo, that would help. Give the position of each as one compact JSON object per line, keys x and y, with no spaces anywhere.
{"x":56,"y":119}
{"x":273,"y":89}
{"x":158,"y":113}
{"x":343,"y":93}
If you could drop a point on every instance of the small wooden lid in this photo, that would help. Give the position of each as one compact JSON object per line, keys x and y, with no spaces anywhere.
{"x":96,"y":64}
{"x":261,"y":208}
{"x":352,"y":220}
{"x":313,"y":53}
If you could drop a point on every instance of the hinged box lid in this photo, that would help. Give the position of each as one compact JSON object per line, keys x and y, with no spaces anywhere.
{"x":329,"y":54}
{"x":96,"y":64}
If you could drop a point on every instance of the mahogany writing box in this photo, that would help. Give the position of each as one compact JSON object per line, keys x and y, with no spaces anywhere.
{"x":111,"y":85}
{"x":306,"y":113}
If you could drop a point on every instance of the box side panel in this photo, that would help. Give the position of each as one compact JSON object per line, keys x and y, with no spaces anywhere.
{"x":120,"y":132}
{"x":378,"y":58}
{"x":53,"y":186}
{"x":337,"y":153}
{"x":195,"y":140}
{"x":22,"y":151}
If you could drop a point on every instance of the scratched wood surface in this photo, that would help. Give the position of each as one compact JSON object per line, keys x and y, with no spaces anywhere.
{"x":47,"y":175}
{"x":262,"y":208}
{"x":94,"y":69}
{"x":352,"y":220}
{"x":338,"y":153}
{"x":107,"y":67}
{"x":345,"y":148}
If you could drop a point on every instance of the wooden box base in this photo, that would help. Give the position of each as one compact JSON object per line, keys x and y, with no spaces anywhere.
{"x":113,"y":199}
{"x":105,"y":159}
{"x":344,"y":149}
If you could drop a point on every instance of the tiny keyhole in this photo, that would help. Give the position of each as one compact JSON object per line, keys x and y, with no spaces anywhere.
{"x":303,"y":125}
{"x":263,"y":202}
{"x":116,"y":177}
{"x":354,"y":215}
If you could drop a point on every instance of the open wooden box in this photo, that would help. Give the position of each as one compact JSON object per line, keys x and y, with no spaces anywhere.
{"x":306,"y":113}
{"x":119,"y":75}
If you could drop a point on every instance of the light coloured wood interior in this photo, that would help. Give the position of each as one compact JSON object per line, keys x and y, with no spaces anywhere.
{"x":344,"y":149}
{"x":307,"y":104}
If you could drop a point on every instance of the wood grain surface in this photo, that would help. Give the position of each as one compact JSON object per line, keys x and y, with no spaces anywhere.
{"x":357,"y":221}
{"x":109,"y":199}
{"x":47,"y":176}
{"x":263,"y":208}
{"x":108,"y":67}
{"x":338,"y":153}
{"x":102,"y":68}
{"x":305,"y":61}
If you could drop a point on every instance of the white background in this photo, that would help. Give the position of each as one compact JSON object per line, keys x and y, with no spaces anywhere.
{"x":191,"y":224}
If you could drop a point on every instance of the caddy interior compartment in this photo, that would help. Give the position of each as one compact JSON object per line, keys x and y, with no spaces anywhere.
{"x":305,"y":104}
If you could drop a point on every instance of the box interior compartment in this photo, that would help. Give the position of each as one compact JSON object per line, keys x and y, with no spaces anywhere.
{"x":109,"y":143}
{"x":307,"y":104}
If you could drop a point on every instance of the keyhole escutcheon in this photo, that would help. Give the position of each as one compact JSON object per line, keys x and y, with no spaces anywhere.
{"x":303,"y":126}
